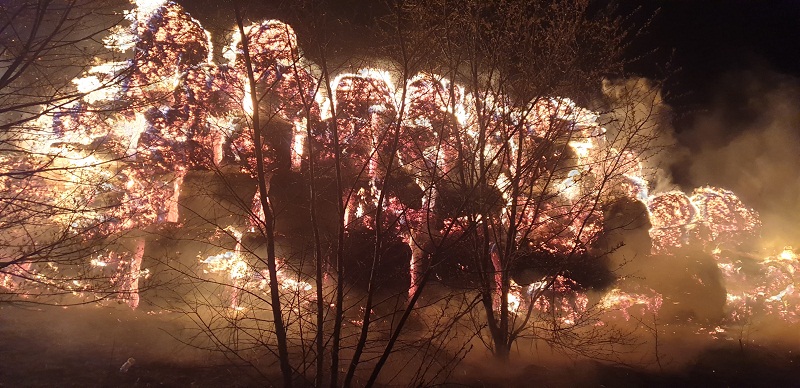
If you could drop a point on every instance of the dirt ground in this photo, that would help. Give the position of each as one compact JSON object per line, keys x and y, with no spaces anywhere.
{"x":85,"y":346}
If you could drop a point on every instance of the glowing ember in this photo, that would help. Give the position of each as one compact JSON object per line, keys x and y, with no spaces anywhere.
{"x":672,"y":215}
{"x":724,"y":214}
{"x":558,"y":298}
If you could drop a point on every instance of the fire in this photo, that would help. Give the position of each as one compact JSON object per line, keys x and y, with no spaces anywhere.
{"x":709,"y":216}
{"x":229,"y":262}
{"x":559,"y":298}
{"x":244,"y":277}
{"x":763,"y":287}
{"x":178,"y":118}
{"x":672,"y":215}
{"x":787,"y":255}
{"x":623,"y":302}
{"x":177,"y":110}
{"x":727,"y":218}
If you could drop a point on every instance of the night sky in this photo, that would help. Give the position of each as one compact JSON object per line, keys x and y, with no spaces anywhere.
{"x":691,"y":45}
{"x":701,"y":44}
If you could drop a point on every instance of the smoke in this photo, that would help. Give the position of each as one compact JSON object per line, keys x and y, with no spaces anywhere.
{"x":749,"y":143}
{"x":636,"y":110}
{"x":746,"y":142}
{"x":636,"y":104}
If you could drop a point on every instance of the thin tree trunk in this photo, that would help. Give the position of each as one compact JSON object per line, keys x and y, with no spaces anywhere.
{"x":336,"y":336}
{"x":277,"y":315}
{"x":362,"y":340}
{"x":318,"y":258}
{"x":396,"y":334}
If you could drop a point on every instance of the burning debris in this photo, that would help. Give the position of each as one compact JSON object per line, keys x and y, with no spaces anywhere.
{"x":117,"y":161}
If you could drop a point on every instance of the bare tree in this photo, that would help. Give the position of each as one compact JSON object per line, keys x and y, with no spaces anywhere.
{"x":52,"y":187}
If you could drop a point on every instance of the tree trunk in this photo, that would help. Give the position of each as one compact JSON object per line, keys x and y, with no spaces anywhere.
{"x":261,"y":176}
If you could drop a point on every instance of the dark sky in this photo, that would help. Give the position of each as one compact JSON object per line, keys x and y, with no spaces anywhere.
{"x":698,"y":43}
{"x":701,"y":44}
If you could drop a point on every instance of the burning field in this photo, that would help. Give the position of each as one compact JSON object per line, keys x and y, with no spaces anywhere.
{"x":260,"y":207}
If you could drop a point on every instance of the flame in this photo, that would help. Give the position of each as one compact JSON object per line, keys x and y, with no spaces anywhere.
{"x":787,"y":254}
{"x":179,"y":103}
{"x":619,"y":300}
{"x":226,"y":262}
{"x":146,"y":8}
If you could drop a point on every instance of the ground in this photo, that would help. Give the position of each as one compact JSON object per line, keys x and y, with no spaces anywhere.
{"x":86,"y":346}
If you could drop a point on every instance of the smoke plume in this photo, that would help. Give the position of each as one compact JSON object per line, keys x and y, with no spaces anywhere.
{"x":749,"y":142}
